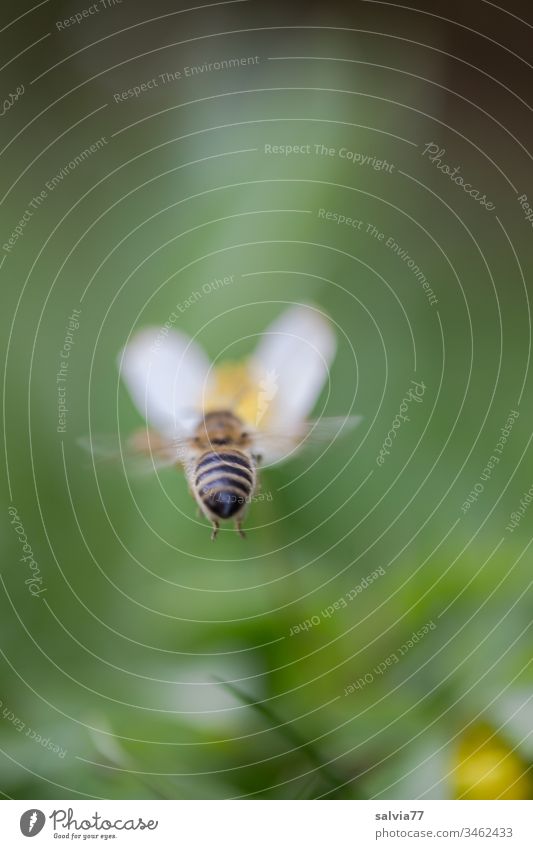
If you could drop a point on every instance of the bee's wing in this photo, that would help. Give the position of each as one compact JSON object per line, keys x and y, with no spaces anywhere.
{"x":166,"y":373}
{"x":275,"y":445}
{"x":144,"y":452}
{"x":291,"y":365}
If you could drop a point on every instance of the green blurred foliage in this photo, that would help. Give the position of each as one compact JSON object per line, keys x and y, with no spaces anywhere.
{"x":120,"y":661}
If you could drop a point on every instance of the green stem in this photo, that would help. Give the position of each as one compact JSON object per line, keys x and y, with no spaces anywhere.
{"x":292,"y":736}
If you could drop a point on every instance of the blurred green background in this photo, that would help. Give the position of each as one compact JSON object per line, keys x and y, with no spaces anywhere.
{"x":157,"y":663}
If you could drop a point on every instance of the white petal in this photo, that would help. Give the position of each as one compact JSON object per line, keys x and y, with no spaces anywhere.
{"x":292,"y":362}
{"x":166,"y":374}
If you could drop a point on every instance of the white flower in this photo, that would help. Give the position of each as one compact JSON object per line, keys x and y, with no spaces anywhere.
{"x":173,"y":384}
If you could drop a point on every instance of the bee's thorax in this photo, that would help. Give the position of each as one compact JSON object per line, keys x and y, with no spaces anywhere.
{"x":221,"y":428}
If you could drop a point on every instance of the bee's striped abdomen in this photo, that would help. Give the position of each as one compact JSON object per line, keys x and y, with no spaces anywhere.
{"x":224,"y":481}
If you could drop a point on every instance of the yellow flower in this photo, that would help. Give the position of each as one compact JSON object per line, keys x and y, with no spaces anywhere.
{"x":486,"y":768}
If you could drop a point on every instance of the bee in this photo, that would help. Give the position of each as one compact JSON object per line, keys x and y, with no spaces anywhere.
{"x":221,"y":424}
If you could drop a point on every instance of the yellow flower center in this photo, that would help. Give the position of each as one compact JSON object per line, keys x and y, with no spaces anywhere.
{"x":234,"y":388}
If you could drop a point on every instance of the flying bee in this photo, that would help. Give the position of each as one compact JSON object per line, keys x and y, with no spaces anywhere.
{"x":222,"y":470}
{"x":221,"y":424}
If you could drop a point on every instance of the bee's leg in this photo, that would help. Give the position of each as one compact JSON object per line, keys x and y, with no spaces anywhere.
{"x":239,"y":529}
{"x":214,"y":532}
